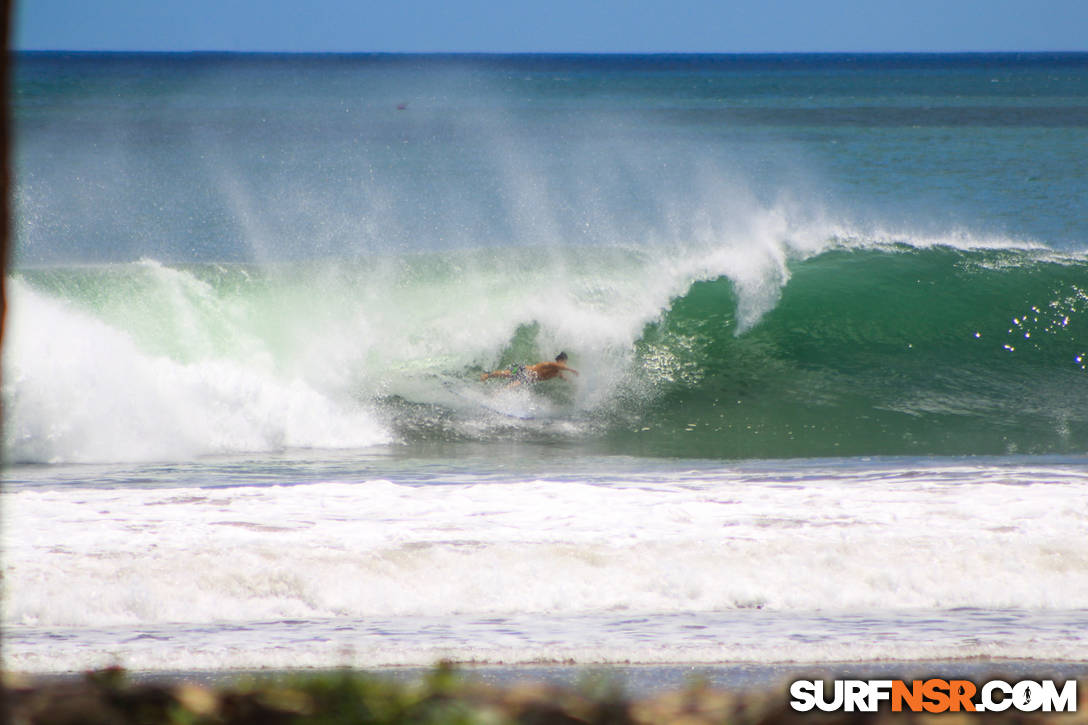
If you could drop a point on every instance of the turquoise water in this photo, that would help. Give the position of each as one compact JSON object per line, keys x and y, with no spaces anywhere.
{"x":886,"y":349}
{"x":828,"y":312}
{"x":198,"y":157}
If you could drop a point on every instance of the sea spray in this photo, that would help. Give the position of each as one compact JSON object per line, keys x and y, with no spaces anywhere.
{"x":822,"y":307}
{"x":359,"y":238}
{"x":79,"y":389}
{"x":864,"y":349}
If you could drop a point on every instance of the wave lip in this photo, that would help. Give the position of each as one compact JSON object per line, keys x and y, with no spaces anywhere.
{"x":879,"y":348}
{"x":78,"y":389}
{"x":778,"y":346}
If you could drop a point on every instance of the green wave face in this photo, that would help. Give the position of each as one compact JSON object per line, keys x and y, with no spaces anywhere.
{"x":878,"y":352}
{"x":853,"y":351}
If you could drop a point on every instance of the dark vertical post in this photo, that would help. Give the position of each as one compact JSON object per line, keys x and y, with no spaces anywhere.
{"x":5,"y":155}
{"x":5,"y":200}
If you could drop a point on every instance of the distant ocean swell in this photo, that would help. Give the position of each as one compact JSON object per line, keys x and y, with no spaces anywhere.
{"x":852,"y":347}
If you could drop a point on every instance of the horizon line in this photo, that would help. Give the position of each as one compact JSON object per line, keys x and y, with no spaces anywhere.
{"x":208,"y":51}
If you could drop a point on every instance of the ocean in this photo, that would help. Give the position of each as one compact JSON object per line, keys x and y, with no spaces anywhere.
{"x":829,"y":316}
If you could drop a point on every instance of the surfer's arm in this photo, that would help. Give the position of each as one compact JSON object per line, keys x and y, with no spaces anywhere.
{"x":564,"y":369}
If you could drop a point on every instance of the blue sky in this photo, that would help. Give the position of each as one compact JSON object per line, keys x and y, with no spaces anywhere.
{"x":553,"y":26}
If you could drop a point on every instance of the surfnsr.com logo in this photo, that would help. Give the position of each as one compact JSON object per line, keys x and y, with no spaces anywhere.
{"x":933,"y":695}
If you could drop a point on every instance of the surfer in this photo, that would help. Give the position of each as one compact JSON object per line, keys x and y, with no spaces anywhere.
{"x":519,"y":374}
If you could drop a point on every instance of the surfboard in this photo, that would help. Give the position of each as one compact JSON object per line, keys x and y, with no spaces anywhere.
{"x":489,"y":403}
{"x":508,"y":413}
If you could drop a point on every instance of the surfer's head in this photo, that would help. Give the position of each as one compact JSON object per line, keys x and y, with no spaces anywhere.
{"x":561,"y":357}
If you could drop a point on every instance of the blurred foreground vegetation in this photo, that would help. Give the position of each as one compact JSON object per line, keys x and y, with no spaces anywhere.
{"x":443,"y":697}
